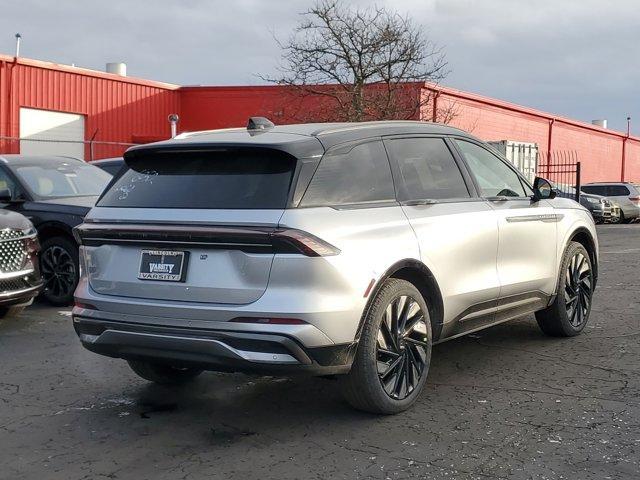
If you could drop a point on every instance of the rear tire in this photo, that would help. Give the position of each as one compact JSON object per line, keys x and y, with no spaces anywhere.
{"x":569,"y":313}
{"x":163,"y":374}
{"x":60,"y":270}
{"x":392,"y":361}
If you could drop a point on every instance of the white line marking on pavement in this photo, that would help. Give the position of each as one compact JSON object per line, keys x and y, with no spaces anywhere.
{"x":614,"y":252}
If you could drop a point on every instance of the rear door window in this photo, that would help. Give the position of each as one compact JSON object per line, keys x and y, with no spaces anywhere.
{"x":427,"y":169}
{"x":350,"y":175}
{"x":618,"y":191}
{"x":223,"y":179}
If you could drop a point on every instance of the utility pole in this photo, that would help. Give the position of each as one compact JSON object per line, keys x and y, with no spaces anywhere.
{"x":624,"y":149}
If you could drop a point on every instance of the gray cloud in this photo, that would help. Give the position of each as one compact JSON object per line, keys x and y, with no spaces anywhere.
{"x":573,"y":57}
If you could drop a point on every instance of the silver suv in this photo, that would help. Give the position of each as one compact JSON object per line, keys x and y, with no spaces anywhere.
{"x":625,"y":194}
{"x":327,"y":249}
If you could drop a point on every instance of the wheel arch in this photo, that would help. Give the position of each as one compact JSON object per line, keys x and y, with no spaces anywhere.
{"x":54,"y":229}
{"x":583,"y":236}
{"x":420,"y":276}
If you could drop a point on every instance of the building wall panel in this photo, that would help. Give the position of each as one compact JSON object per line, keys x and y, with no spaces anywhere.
{"x":128,"y":110}
{"x":598,"y":150}
{"x":117,"y":109}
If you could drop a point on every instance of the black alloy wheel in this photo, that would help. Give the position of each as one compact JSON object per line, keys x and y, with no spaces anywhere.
{"x":402,"y":347}
{"x":578,"y":289}
{"x":59,"y":269}
{"x":568,"y":314}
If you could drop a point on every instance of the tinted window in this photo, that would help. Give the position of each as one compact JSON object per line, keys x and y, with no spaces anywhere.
{"x":618,"y":191}
{"x":60,"y":178}
{"x":352,"y":174}
{"x":494,"y":177}
{"x":595,"y":189}
{"x":233,"y":179}
{"x":6,"y":183}
{"x":427,"y":169}
{"x":111,"y":168}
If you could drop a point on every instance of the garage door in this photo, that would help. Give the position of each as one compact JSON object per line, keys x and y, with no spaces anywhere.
{"x":46,"y":132}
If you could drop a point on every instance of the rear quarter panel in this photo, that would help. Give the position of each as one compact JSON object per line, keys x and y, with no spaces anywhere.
{"x":371,"y":240}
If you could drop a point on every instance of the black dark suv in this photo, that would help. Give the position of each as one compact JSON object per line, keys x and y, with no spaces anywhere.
{"x":55,"y":193}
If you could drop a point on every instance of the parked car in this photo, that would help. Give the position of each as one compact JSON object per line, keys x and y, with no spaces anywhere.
{"x":625,"y":194}
{"x":326,"y":249}
{"x":109,"y":165}
{"x":55,"y":193}
{"x":600,"y":207}
{"x":20,"y":278}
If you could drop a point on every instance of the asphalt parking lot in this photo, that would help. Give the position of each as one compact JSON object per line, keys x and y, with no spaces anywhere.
{"x":505,"y":403}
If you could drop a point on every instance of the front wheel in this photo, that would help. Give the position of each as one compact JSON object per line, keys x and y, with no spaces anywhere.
{"x":59,"y":268}
{"x":392,"y":361}
{"x":569,"y":313}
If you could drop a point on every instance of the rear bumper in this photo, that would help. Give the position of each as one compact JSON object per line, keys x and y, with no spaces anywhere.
{"x":211,"y":349}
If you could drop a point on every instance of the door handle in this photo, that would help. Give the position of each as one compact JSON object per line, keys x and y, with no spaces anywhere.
{"x":498,"y":198}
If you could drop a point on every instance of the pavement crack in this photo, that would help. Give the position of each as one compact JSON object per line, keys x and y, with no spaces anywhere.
{"x":553,"y":357}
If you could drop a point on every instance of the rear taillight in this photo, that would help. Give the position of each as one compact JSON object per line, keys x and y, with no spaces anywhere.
{"x":282,"y":240}
{"x":635,"y":200}
{"x":297,"y":241}
{"x":269,"y":321}
{"x":86,"y":306}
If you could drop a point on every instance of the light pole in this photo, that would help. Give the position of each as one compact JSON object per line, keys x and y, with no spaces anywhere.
{"x":624,"y":150}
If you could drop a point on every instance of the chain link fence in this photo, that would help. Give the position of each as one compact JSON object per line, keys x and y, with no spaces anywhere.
{"x":87,"y":150}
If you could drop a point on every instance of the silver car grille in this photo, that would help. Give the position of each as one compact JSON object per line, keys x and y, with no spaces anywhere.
{"x":12,"y":251}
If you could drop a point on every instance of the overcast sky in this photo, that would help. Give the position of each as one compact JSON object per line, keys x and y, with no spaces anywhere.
{"x":577,"y":58}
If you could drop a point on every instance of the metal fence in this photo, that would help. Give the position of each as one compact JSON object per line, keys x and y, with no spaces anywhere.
{"x":85,"y":150}
{"x":562,"y":168}
{"x":523,"y":155}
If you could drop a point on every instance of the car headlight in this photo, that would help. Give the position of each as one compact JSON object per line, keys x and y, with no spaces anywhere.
{"x":31,"y":247}
{"x":29,"y":232}
{"x":593,"y":201}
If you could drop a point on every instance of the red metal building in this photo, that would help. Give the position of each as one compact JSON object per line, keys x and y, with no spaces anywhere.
{"x":41,"y":101}
{"x":110,"y":108}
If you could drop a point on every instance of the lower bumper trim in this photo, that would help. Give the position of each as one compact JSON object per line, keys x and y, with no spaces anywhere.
{"x":210,"y":349}
{"x":24,"y":295}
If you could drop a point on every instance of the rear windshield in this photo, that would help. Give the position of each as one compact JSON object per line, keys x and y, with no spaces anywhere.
{"x":233,"y":179}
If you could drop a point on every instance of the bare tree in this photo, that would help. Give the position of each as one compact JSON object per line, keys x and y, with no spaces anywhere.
{"x":359,"y":64}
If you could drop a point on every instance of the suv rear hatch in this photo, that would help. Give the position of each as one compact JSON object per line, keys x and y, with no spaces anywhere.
{"x":192,"y":225}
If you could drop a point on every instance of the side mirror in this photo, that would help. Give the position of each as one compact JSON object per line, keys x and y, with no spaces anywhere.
{"x":542,"y":190}
{"x":5,"y":195}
